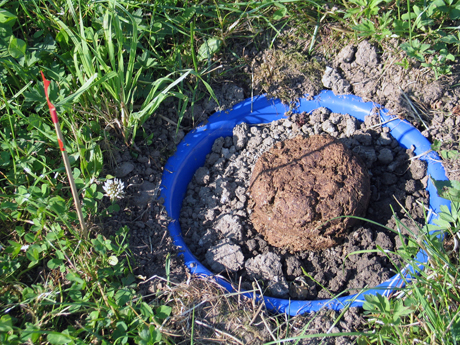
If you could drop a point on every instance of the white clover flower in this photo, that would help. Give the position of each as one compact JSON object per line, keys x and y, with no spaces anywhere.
{"x":114,"y":189}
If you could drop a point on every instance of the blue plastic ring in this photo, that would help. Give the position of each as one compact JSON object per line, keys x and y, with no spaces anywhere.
{"x":191,"y":154}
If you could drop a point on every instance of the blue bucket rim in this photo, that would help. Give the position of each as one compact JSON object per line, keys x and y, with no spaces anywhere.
{"x":191,"y":154}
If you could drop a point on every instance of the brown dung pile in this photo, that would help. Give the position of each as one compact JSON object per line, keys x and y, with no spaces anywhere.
{"x":301,"y":184}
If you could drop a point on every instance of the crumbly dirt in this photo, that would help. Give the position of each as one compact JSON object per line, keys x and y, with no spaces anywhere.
{"x":376,"y":73}
{"x":219,"y":231}
{"x":412,"y":93}
{"x":299,"y":185}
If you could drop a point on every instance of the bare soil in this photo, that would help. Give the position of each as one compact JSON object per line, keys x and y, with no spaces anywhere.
{"x":359,"y":68}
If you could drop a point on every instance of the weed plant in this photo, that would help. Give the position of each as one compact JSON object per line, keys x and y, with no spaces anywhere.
{"x":112,"y":64}
{"x":427,"y":310}
{"x":428,"y":28}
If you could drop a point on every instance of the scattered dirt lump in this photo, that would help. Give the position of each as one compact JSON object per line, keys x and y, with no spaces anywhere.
{"x":300,"y":184}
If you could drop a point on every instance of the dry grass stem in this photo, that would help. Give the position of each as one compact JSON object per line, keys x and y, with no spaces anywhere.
{"x":217,"y":315}
{"x":383,"y":123}
{"x":218,"y":331}
{"x":413,"y":108}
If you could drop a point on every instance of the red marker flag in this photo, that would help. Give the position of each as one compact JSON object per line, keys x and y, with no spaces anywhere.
{"x":68,"y":169}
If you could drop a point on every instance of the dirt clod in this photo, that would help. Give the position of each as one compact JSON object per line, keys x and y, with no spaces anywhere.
{"x":268,"y":266}
{"x":333,"y":79}
{"x":418,"y":169}
{"x":366,"y":54}
{"x":124,"y":169}
{"x":225,"y":255}
{"x":302,"y":183}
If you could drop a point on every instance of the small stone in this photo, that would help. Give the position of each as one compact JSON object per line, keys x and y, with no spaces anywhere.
{"x":210,"y":215}
{"x":227,"y":187}
{"x":278,"y":287}
{"x":306,"y":129}
{"x":262,"y":244}
{"x":293,"y":267}
{"x":319,"y":115}
{"x":255,"y":141}
{"x":302,"y":292}
{"x":241,"y":194}
{"x":219,"y":164}
{"x":266,"y":266}
{"x":336,"y":118}
{"x":332,"y":79}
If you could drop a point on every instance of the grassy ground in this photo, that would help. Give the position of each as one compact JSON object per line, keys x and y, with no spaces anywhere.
{"x":112,"y":64}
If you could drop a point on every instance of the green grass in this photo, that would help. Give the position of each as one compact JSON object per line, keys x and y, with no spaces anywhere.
{"x":427,"y":309}
{"x":112,"y":64}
